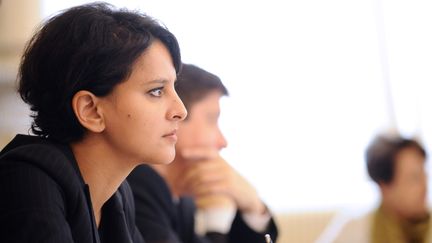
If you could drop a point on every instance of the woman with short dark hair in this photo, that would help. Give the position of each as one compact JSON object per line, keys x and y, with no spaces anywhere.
{"x":100,"y":85}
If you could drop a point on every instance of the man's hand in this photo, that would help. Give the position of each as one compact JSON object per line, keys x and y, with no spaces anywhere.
{"x":212,"y":181}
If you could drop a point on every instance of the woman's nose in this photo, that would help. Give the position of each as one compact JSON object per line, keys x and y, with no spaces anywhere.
{"x":178,"y":111}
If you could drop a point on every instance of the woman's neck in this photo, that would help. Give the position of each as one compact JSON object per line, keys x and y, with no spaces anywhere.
{"x":170,"y":173}
{"x":102,"y":170}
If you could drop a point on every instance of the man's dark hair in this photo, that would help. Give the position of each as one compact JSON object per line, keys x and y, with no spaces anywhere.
{"x":194,"y":83}
{"x":381,"y":155}
{"x":90,"y":47}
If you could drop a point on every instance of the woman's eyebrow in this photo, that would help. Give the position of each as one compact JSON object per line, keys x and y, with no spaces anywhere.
{"x":155,"y":81}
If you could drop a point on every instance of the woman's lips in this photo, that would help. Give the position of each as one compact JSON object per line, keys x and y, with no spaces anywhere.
{"x":172,"y":135}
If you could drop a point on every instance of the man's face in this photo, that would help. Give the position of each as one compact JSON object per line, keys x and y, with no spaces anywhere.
{"x":201,"y":129}
{"x":407,"y":191}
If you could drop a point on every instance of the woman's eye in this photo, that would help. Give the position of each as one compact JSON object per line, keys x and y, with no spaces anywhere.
{"x":156,"y":92}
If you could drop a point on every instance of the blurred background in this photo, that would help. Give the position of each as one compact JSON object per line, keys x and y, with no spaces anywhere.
{"x":311,"y":82}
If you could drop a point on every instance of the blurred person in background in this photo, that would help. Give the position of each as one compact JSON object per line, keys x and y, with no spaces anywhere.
{"x":397,"y":165}
{"x":199,"y":197}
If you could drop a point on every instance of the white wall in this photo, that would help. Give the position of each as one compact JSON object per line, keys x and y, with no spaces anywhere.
{"x":18,"y":19}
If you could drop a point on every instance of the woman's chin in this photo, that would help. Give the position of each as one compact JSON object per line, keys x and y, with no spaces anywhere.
{"x":161,"y":157}
{"x":166,"y":159}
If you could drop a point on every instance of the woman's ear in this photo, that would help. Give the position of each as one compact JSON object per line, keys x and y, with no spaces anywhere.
{"x":85,"y":107}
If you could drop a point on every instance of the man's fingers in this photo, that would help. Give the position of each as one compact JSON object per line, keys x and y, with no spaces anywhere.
{"x":193,"y":154}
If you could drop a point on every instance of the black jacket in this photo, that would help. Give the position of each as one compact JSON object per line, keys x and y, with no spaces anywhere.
{"x":161,"y":220}
{"x":44,"y":198}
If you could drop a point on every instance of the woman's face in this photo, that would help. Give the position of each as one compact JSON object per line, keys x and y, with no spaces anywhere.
{"x":142,"y":114}
{"x":201,"y":129}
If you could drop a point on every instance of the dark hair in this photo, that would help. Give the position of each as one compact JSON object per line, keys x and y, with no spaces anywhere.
{"x":89,"y":47}
{"x":381,"y":155}
{"x":194,"y":83}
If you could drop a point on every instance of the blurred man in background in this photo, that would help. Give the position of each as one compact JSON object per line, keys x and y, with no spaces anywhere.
{"x":397,"y":166}
{"x":199,"y":197}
